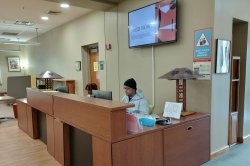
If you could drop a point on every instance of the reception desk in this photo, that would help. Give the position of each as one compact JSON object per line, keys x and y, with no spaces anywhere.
{"x":101,"y":128}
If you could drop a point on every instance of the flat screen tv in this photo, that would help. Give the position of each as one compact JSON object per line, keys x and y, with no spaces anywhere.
{"x":153,"y":24}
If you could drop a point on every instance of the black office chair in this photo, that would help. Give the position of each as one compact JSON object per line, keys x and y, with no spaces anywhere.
{"x":41,"y":86}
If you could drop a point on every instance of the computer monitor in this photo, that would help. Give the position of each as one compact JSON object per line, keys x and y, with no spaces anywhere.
{"x":63,"y":89}
{"x":102,"y":94}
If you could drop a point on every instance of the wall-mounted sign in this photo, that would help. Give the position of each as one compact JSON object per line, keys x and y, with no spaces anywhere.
{"x":203,"y":69}
{"x":96,"y":66}
{"x":78,"y":65}
{"x":203,"y":45}
{"x":101,"y":65}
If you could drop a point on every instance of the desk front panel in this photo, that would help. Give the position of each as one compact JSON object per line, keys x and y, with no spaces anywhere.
{"x":146,"y":150}
{"x":188,"y":143}
{"x":93,"y":120}
{"x":40,"y":100}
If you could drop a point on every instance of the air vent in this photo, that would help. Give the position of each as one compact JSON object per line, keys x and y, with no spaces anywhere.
{"x":4,"y":39}
{"x":10,"y":33}
{"x":111,"y":2}
{"x":25,"y":23}
{"x":51,"y":12}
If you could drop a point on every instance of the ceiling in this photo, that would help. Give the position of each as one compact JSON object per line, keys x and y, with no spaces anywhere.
{"x":31,"y":11}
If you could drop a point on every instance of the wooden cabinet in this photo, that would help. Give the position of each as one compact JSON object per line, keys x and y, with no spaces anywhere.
{"x":187,"y":144}
{"x":69,"y":83}
{"x":27,"y":118}
{"x":143,"y":150}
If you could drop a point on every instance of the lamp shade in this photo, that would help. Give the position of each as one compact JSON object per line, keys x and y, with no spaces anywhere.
{"x":180,"y":74}
{"x":49,"y":75}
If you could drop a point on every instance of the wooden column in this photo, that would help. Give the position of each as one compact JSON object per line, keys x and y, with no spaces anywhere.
{"x":27,"y":120}
{"x":101,"y":152}
{"x":32,"y":122}
{"x":62,"y":143}
{"x":22,"y":115}
{"x":50,"y":135}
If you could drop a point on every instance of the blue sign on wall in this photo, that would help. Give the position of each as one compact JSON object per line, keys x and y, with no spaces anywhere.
{"x":203,"y":45}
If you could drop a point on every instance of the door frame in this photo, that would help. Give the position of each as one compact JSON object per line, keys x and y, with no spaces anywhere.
{"x":85,"y":64}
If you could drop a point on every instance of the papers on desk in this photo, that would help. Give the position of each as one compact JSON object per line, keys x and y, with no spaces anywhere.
{"x":172,"y":110}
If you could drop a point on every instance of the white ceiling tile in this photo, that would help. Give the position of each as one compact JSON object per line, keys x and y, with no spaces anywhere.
{"x":32,"y":10}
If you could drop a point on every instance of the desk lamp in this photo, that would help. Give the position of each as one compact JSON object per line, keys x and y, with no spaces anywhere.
{"x":181,"y":75}
{"x":48,"y":76}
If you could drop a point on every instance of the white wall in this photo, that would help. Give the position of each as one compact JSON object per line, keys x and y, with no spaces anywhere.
{"x":225,"y":11}
{"x":4,"y":64}
{"x":62,"y":46}
{"x":137,"y":62}
{"x":112,"y":56}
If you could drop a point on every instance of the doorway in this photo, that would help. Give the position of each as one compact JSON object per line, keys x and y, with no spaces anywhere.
{"x":94,"y":66}
{"x":237,"y":81}
{"x":90,"y":65}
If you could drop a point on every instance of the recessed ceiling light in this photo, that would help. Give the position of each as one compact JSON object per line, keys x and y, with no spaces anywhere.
{"x":44,"y":18}
{"x":64,"y":5}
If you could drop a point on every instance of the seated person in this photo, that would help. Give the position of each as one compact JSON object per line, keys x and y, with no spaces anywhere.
{"x":134,"y":96}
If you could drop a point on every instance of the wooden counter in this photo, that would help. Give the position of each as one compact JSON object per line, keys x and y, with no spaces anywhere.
{"x":157,"y":127}
{"x":103,"y":126}
{"x":42,"y":101}
{"x":101,"y":118}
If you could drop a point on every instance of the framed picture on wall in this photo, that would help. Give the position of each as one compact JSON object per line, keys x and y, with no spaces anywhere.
{"x":14,"y":64}
{"x":223,"y":49}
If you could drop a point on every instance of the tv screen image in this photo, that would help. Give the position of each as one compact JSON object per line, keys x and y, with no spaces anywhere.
{"x":153,"y":24}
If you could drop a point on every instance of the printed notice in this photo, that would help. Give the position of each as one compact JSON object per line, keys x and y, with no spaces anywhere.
{"x":203,"y":45}
{"x":96,"y":66}
{"x":203,"y":69}
{"x":172,"y":110}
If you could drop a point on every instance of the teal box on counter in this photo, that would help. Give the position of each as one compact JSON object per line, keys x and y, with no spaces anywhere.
{"x":147,"y":122}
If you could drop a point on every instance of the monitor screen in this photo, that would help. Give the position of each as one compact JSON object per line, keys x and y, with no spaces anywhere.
{"x":102,"y":94}
{"x":153,"y":24}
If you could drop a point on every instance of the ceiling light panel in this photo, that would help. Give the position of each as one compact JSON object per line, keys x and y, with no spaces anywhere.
{"x":65,"y":5}
{"x":45,"y":18}
{"x":10,"y":33}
